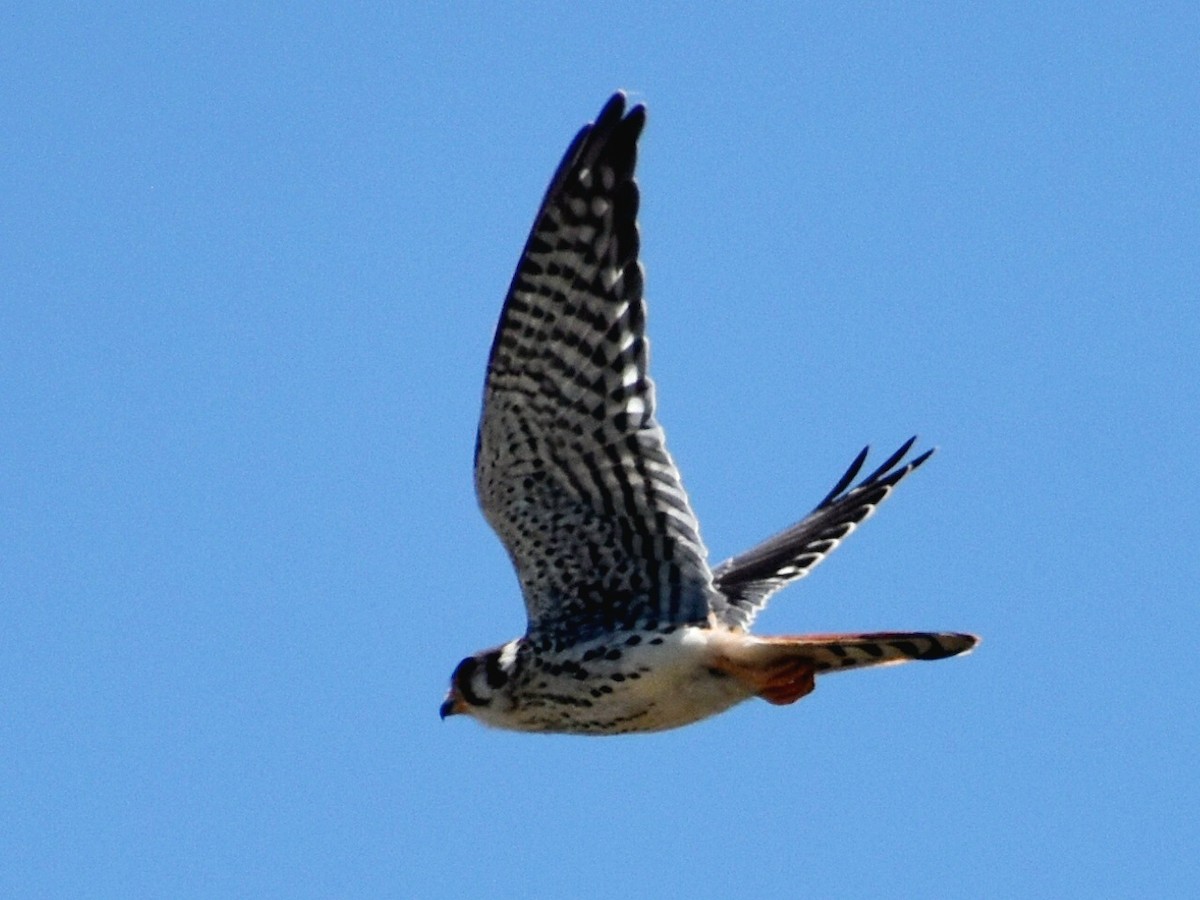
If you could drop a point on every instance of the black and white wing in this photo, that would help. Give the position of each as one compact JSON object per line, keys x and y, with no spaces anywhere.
{"x":748,"y":580}
{"x":571,"y":467}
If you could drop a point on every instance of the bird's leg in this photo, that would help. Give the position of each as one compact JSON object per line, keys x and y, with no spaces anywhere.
{"x":767,"y":669}
{"x":787,"y":681}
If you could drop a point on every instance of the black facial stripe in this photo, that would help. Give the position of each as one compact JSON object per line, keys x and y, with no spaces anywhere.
{"x":496,"y":676}
{"x":462,"y":680}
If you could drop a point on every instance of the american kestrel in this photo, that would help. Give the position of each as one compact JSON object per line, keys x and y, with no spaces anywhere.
{"x":629,"y":629}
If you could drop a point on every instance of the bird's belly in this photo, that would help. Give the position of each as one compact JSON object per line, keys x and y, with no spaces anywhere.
{"x":677,"y":699}
{"x":648,"y":688}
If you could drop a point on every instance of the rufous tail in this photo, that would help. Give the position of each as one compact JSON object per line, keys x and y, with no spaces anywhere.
{"x":783,"y":669}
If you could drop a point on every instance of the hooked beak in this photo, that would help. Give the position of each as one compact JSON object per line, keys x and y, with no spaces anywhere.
{"x":451,"y":707}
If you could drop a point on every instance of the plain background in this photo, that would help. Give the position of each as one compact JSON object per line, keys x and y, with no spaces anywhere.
{"x":251,"y":257}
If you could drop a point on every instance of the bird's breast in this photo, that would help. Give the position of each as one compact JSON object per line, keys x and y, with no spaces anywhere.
{"x":625,"y":682}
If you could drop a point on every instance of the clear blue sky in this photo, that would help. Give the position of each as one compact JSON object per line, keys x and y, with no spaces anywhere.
{"x":250,"y":265}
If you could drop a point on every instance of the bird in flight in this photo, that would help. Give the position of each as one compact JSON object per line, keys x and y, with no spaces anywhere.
{"x":629,"y":630}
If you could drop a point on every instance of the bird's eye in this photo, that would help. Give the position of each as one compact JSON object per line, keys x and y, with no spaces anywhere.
{"x":466,"y":679}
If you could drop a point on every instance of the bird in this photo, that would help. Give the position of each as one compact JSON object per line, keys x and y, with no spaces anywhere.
{"x":629,"y":629}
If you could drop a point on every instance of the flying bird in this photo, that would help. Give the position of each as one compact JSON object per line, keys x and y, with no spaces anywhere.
{"x":629,"y":630}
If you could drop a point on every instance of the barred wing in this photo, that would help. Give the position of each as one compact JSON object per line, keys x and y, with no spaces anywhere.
{"x":571,"y":467}
{"x":748,"y":580}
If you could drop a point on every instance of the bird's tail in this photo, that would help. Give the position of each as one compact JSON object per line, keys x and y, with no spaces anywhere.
{"x":838,"y":652}
{"x":783,"y":669}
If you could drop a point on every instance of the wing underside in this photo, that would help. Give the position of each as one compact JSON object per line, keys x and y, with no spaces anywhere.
{"x":745,"y":582}
{"x":571,"y":465}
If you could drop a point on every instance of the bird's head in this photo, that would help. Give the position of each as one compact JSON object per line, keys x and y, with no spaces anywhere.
{"x":481,"y":682}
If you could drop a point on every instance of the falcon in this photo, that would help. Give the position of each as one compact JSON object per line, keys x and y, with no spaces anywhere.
{"x":629,"y":630}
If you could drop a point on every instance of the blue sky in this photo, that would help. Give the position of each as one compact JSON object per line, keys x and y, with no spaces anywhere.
{"x":250,"y":265}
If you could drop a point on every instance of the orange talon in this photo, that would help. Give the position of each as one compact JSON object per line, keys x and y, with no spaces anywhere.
{"x":779,"y":681}
{"x":787,"y":684}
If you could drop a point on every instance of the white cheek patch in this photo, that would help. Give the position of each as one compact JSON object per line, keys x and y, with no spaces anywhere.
{"x":508,"y":655}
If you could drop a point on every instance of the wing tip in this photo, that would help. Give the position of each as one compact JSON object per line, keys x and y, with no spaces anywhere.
{"x":614,"y":115}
